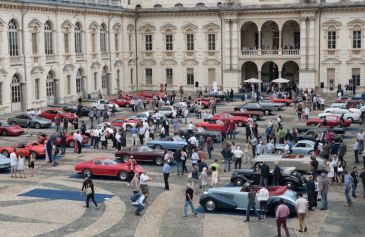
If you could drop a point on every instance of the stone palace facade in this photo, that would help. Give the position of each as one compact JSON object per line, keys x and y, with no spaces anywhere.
{"x":54,"y":51}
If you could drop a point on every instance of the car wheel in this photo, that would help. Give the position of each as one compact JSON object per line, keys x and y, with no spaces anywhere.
{"x":71,"y":143}
{"x":122,"y":175}
{"x":13,"y":123}
{"x":87,"y":173}
{"x":276,"y":108}
{"x":254,"y":117}
{"x":127,"y":105}
{"x":159,"y":160}
{"x":5,"y":153}
{"x":238,"y":182}
{"x":351,"y":120}
{"x":274,"y":208}
{"x":210,"y":205}
{"x":157,"y":147}
{"x":289,"y":185}
{"x":125,"y":158}
{"x":240,"y":124}
{"x":37,"y":125}
{"x":35,"y":155}
{"x":4,"y":133}
{"x":279,"y":152}
{"x":310,"y":153}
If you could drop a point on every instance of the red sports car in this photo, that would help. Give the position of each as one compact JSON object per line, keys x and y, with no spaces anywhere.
{"x":51,"y":114}
{"x":125,"y":122}
{"x":281,"y":100}
{"x":213,"y":125}
{"x":10,"y":130}
{"x":150,"y":95}
{"x":255,"y":115}
{"x":38,"y":150}
{"x":105,"y":166}
{"x":226,"y":117}
{"x":329,"y":121}
{"x":70,"y":141}
{"x":123,"y":102}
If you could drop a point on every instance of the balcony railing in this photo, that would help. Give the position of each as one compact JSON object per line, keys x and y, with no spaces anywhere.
{"x":269,"y":52}
{"x":50,"y":58}
{"x":291,"y":51}
{"x":15,"y":60}
{"x":249,"y":52}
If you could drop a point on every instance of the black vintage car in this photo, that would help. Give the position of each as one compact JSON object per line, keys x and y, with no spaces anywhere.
{"x":290,"y":178}
{"x":72,"y":109}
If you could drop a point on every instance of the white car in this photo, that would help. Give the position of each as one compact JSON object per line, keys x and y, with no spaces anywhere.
{"x":166,"y":111}
{"x":99,"y":104}
{"x":339,"y":105}
{"x":352,"y":114}
{"x":106,"y":126}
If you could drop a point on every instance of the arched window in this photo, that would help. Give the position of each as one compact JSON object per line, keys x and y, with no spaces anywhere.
{"x":78,"y":81}
{"x":104,"y":78}
{"x":102,"y":38}
{"x":50,"y":84}
{"x":78,"y":39}
{"x":13,"y":38}
{"x":48,"y":38}
{"x":15,"y":89}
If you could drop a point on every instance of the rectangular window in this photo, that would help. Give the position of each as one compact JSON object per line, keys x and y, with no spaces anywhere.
{"x":34,"y":43}
{"x":148,"y":76}
{"x":211,"y":41}
{"x":68,"y":84}
{"x":95,"y":80}
{"x":36,"y":89}
{"x":148,"y":42}
{"x":116,"y":42}
{"x":356,"y":39}
{"x":331,"y":39}
{"x":65,"y":40}
{"x":1,"y":93}
{"x":169,"y":76}
{"x":131,"y":71}
{"x":190,"y":76}
{"x":93,"y":43}
{"x":356,"y":76}
{"x":169,"y":44}
{"x":190,"y":42}
{"x":130,"y":42}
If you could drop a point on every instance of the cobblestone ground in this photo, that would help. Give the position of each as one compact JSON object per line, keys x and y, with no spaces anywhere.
{"x":27,"y":216}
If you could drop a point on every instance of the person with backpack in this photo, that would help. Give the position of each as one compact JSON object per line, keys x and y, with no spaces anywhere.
{"x":89,"y":190}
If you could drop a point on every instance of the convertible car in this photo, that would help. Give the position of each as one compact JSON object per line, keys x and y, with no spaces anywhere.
{"x":285,"y":101}
{"x":4,"y":163}
{"x":217,"y":125}
{"x":255,"y":107}
{"x":105,"y":167}
{"x":200,"y":131}
{"x":227,"y":117}
{"x":337,"y":130}
{"x":302,"y":147}
{"x":354,"y":115}
{"x":255,"y":115}
{"x":170,"y":143}
{"x":52,"y":113}
{"x":330,"y":121}
{"x":39,"y":150}
{"x":300,"y":162}
{"x":318,"y":134}
{"x":35,"y":121}
{"x":236,"y":198}
{"x":10,"y":130}
{"x":290,"y":178}
{"x":70,"y":141}
{"x":266,"y":103}
{"x":141,"y":153}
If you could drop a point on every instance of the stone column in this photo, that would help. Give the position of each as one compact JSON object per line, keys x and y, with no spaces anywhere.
{"x":259,"y":41}
{"x":235,"y":44}
{"x":311,"y":44}
{"x":226,"y":53}
{"x":303,"y":44}
{"x":279,"y":43}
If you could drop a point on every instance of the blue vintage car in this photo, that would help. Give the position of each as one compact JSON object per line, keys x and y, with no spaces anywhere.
{"x":303,"y":147}
{"x":170,"y":143}
{"x":235,"y":198}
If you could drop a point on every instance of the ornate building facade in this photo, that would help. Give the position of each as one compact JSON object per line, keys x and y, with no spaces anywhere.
{"x":54,"y":51}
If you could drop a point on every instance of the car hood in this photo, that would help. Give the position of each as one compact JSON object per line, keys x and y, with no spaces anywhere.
{"x":224,"y":190}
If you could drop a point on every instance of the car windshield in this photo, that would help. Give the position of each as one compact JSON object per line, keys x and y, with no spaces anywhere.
{"x":243,"y":109}
{"x":145,"y":149}
{"x":200,"y":129}
{"x":109,"y":162}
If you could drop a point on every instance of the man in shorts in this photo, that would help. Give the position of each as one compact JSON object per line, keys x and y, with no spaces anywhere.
{"x":143,"y":180}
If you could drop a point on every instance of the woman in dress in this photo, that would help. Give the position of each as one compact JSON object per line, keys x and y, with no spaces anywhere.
{"x":20,"y":168}
{"x":214,"y":180}
{"x":331,"y":170}
{"x":31,"y":163}
{"x":204,"y":179}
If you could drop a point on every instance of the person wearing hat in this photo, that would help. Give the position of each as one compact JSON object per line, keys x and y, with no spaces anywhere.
{"x":324,"y":184}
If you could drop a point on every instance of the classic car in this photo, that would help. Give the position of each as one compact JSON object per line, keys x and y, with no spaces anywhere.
{"x":255,"y":107}
{"x":270,"y":104}
{"x":151,"y":94}
{"x":102,"y":126}
{"x":285,"y":101}
{"x":339,"y":105}
{"x":236,"y":198}
{"x":10,"y":130}
{"x":166,"y":111}
{"x":170,"y":143}
{"x":318,"y":134}
{"x":337,"y":130}
{"x":300,"y":162}
{"x":105,"y":167}
{"x":70,"y":141}
{"x":328,"y":121}
{"x":35,"y":121}
{"x":290,"y":178}
{"x":100,"y":105}
{"x":38,"y":150}
{"x":126,"y":123}
{"x":227,"y":117}
{"x":255,"y":115}
{"x":303,"y":147}
{"x":4,"y":163}
{"x":217,"y":125}
{"x":52,"y":113}
{"x":143,"y":116}
{"x":121,"y":102}
{"x":141,"y":153}
{"x":200,"y":131}
{"x":352,"y":114}
{"x":84,"y":111}
{"x":349,"y":103}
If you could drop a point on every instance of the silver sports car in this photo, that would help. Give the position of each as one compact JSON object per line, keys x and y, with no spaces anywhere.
{"x":35,"y":121}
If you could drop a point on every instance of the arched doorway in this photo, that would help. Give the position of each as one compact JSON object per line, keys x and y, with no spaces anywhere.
{"x":51,"y":88}
{"x":80,"y":84}
{"x":105,"y":83}
{"x":270,"y":38}
{"x":290,"y":71}
{"x":16,"y":94}
{"x":249,"y":70}
{"x":269,"y":71}
{"x":249,"y":38}
{"x":290,"y":35}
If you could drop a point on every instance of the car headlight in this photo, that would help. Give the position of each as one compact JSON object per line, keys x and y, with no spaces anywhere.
{"x":205,"y":192}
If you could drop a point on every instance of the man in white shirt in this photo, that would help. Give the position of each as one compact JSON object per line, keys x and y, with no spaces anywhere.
{"x":194,"y":157}
{"x":237,"y":155}
{"x":141,"y":132}
{"x":263,"y":196}
{"x":96,"y":135}
{"x":138,"y":203}
{"x":270,"y":148}
{"x":143,"y":181}
{"x":301,"y":206}
{"x":78,"y":139}
{"x":191,"y":127}
{"x":13,"y":164}
{"x":286,"y":148}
